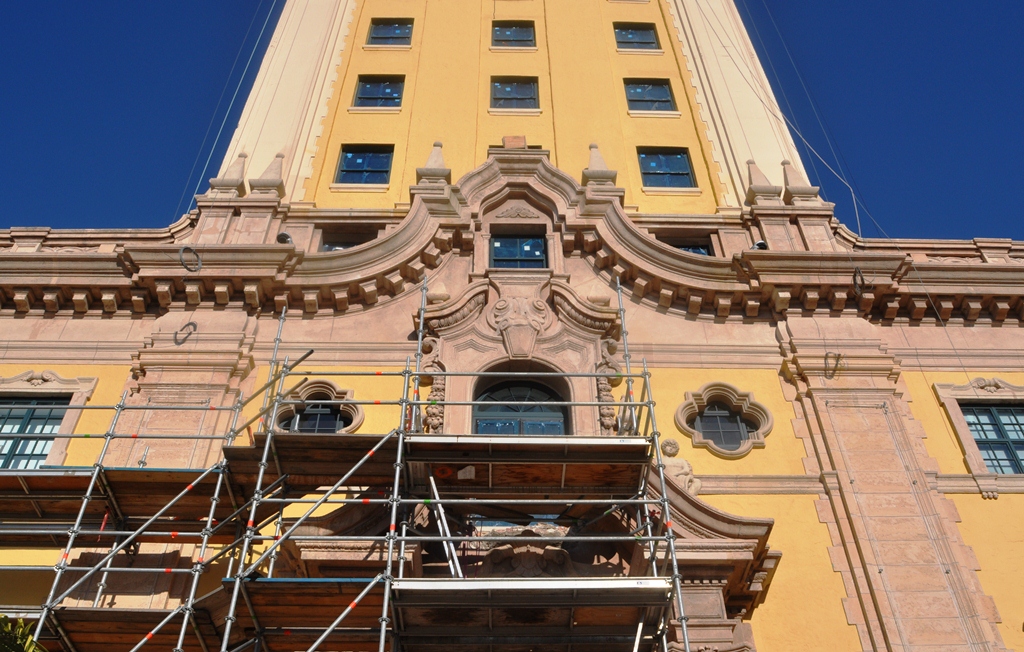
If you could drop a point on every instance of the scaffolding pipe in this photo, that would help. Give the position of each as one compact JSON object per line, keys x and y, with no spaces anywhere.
{"x":157,"y":629}
{"x":124,"y":544}
{"x":273,"y":363}
{"x":302,"y":519}
{"x":253,"y":509}
{"x":442,"y":525}
{"x":344,"y":614}
{"x":62,"y":563}
{"x":403,"y":425}
{"x":666,"y":516}
{"x":198,"y":568}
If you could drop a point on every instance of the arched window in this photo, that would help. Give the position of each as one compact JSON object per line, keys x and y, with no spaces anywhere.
{"x":722,"y":427}
{"x":516,"y":408}
{"x":317,"y":417}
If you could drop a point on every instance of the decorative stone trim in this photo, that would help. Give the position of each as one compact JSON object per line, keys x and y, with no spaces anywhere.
{"x":736,"y":400}
{"x":987,"y":390}
{"x":48,"y":383}
{"x":303,"y":393}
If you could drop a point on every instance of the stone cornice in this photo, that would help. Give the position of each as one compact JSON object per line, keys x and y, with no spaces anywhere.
{"x":978,"y":281}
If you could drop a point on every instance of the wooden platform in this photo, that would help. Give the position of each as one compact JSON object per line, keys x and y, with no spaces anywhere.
{"x":553,"y":613}
{"x":47,"y":501}
{"x":525,"y":466}
{"x":120,"y":630}
{"x":313,"y":460}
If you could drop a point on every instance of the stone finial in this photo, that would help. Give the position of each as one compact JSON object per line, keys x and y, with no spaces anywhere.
{"x":233,"y":181}
{"x":272,"y":179}
{"x":760,"y":191}
{"x":597,"y":172}
{"x":434,"y":171}
{"x":798,"y":189}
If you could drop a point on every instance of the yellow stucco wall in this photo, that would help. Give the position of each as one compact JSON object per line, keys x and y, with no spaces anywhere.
{"x":783,"y":452}
{"x":447,"y":96}
{"x":995,"y":530}
{"x":803,"y":610}
{"x":32,"y":586}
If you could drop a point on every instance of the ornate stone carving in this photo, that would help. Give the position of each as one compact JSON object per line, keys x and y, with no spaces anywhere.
{"x":670,"y":447}
{"x":519,"y":320}
{"x":517,"y":212}
{"x":528,"y":559}
{"x":434,"y":420}
{"x":992,"y":385}
{"x":686,"y":480}
{"x":452,"y":313}
{"x":586,"y":314}
{"x":604,"y":385}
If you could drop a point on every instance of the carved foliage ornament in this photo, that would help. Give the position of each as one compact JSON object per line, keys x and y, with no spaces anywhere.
{"x":517,"y":212}
{"x":736,"y":401}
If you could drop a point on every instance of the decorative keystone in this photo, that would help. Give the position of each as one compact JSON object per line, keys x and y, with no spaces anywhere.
{"x":597,"y":172}
{"x":760,"y":191}
{"x":271,"y":181}
{"x":799,"y":191}
{"x":232,"y":184}
{"x":435,"y":171}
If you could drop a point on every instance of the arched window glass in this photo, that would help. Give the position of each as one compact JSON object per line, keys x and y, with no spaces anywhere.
{"x":317,"y":417}
{"x":517,"y":408}
{"x":722,"y":427}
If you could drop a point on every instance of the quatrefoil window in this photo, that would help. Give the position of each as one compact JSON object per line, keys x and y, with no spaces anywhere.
{"x":723,"y":419}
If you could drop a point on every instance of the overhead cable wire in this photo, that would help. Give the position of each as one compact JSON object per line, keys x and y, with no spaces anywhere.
{"x":856,"y":200}
{"x":778,"y":81}
{"x":234,"y":96}
{"x":216,"y":109}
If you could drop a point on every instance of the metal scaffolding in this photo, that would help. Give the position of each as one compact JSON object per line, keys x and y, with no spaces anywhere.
{"x":234,"y":512}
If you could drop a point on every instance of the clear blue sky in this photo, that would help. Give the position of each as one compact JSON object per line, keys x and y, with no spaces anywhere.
{"x":106,"y":104}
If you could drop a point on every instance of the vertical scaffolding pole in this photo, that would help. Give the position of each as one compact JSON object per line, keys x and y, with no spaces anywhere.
{"x":385,"y":619}
{"x":62,"y":563}
{"x":666,"y":515}
{"x":626,"y":357}
{"x":198,"y":568}
{"x":254,"y":508}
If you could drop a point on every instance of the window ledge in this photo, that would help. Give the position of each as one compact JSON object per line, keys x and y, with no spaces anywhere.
{"x":510,"y":48}
{"x":359,"y":187}
{"x":638,"y":51}
{"x":371,"y":46}
{"x":374,"y":109}
{"x":655,"y":114}
{"x":688,"y":192}
{"x":498,"y":111}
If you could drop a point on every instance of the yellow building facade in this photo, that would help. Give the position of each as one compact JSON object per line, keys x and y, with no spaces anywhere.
{"x":511,"y":325}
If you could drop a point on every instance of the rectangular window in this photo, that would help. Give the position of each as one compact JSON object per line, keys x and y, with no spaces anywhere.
{"x":999,"y":433}
{"x":699,"y":246}
{"x":390,"y":31}
{"x":513,"y":34}
{"x":21,"y":446}
{"x":518,"y":252}
{"x":636,"y":36}
{"x":665,"y":167}
{"x":649,"y":95}
{"x":376,"y":90}
{"x":370,"y":164}
{"x":514,"y":93}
